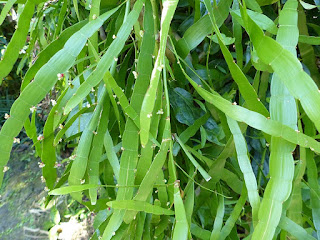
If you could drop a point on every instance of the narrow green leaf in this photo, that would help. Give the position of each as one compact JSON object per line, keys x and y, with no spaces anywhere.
{"x":204,"y":174}
{"x":294,"y":229}
{"x":96,"y":150}
{"x":48,"y":154}
{"x":309,"y":40}
{"x":307,"y":6}
{"x":218,"y":221}
{"x":139,"y":206}
{"x":190,"y":132}
{"x":181,"y":229}
{"x":307,"y":51}
{"x":260,"y":19}
{"x":246,"y":169}
{"x":45,"y":55}
{"x":112,"y":157}
{"x":5,"y":10}
{"x":79,"y":165}
{"x":234,"y":216}
{"x":72,"y":189}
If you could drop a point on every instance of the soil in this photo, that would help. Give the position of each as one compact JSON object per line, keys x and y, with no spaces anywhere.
{"x":22,"y":211}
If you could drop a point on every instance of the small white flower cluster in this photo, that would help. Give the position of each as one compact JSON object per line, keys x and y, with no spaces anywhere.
{"x":41,"y":164}
{"x":56,"y":165}
{"x":40,"y":138}
{"x":160,"y":67}
{"x":22,"y":51}
{"x":160,"y":112}
{"x":33,"y":109}
{"x":177,"y":183}
{"x":5,"y":169}
{"x":53,"y":102}
{"x":135,"y":74}
{"x":60,"y":76}
{"x":43,"y":179}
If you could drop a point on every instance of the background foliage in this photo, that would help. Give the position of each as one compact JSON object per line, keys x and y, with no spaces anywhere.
{"x":170,"y":119}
